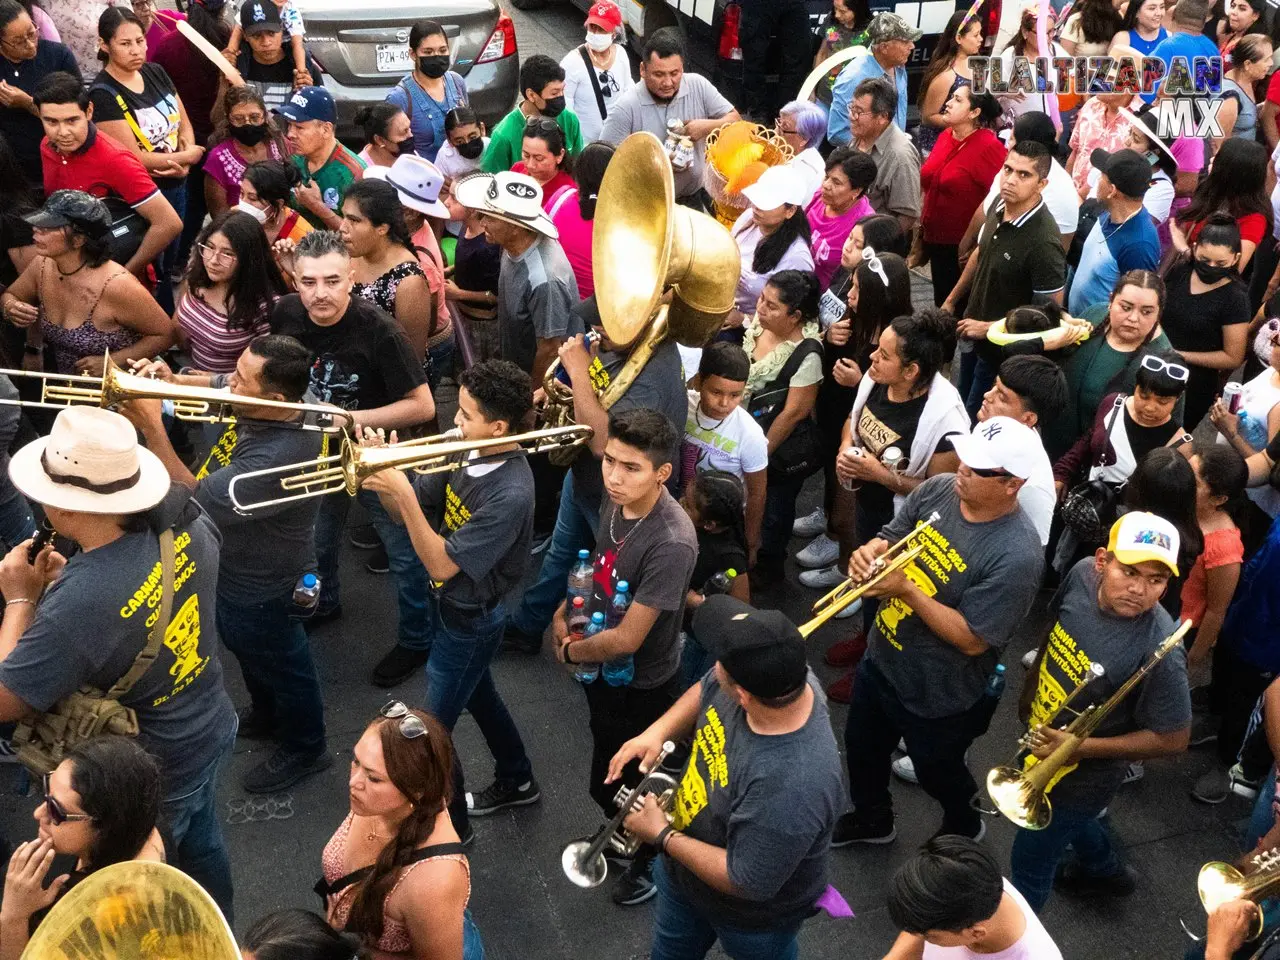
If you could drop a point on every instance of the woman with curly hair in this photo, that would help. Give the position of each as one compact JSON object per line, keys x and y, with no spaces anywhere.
{"x":245,"y":133}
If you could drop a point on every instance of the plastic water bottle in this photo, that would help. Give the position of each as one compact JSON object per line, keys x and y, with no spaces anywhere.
{"x":306,"y":594}
{"x":995,"y":683}
{"x":721,"y":582}
{"x":587,"y":672}
{"x":578,"y":618}
{"x":580,"y":582}
{"x":618,"y":605}
{"x":619,"y":671}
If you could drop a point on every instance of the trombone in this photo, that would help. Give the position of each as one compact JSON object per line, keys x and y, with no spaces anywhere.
{"x":348,"y":469}
{"x":850,"y":590}
{"x":193,"y":404}
{"x":1020,"y":794}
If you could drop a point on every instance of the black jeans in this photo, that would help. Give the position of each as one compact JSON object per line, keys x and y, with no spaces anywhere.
{"x":617,"y":715}
{"x":1233,"y":695}
{"x":779,"y":516}
{"x":761,"y":21}
{"x":944,"y":268}
{"x":877,"y":720}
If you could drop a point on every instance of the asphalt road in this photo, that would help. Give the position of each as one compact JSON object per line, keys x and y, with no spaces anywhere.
{"x":527,"y":910}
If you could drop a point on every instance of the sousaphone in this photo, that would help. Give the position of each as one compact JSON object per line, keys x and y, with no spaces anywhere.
{"x":137,"y":910}
{"x":661,"y":270}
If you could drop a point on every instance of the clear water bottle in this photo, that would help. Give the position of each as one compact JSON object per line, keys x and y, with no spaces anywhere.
{"x":618,"y":605}
{"x":580,"y":583}
{"x":721,"y":582}
{"x":578,"y":618}
{"x":995,"y":683}
{"x":306,"y":594}
{"x":619,"y":671}
{"x":587,"y":672}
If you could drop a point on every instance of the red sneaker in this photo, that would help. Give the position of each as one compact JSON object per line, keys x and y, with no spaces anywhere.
{"x":841,"y":691}
{"x":846,"y":653}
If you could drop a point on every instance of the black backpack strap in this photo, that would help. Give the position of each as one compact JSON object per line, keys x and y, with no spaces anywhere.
{"x":325,"y":889}
{"x":595,"y":81}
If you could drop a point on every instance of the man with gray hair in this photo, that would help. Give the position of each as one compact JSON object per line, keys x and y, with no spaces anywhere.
{"x":896,"y":189}
{"x":891,"y":40}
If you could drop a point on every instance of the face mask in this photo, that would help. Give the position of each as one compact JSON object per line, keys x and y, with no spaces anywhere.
{"x":599,"y":42}
{"x":245,"y":207}
{"x":472,"y":149}
{"x":402,"y":148}
{"x":250,"y":134}
{"x":434,"y":66}
{"x":553,"y":106}
{"x":1211,"y":274}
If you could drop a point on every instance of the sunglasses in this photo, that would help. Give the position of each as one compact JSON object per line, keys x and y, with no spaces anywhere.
{"x":57,"y":815}
{"x":874,"y":265}
{"x":1174,"y":371}
{"x":540,"y":125}
{"x":990,"y":473}
{"x":411,"y":727}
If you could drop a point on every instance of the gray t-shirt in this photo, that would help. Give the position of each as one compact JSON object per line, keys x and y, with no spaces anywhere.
{"x":1084,"y":634}
{"x":655,"y":555}
{"x":770,"y":801}
{"x":94,"y":621}
{"x":485,"y":514}
{"x":636,"y":110}
{"x":536,"y":295}
{"x":265,"y":552}
{"x":989,"y":572}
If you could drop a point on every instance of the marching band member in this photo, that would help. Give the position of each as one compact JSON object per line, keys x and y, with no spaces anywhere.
{"x":1108,"y":612}
{"x":939,"y":630}
{"x":745,"y":856}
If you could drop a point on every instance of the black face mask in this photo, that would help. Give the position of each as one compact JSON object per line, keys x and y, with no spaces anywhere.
{"x":402,"y":148}
{"x":553,"y":107}
{"x":472,"y":149}
{"x":250,"y":134}
{"x":434,"y":66}
{"x":1211,"y":274}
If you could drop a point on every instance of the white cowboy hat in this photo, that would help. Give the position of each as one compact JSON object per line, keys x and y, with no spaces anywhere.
{"x":418,"y":181}
{"x":90,"y":463}
{"x":513,"y":197}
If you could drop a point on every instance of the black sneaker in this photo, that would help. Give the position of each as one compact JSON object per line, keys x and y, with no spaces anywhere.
{"x":397,"y":666}
{"x":636,"y":883}
{"x":517,"y":641}
{"x":256,"y":724}
{"x":502,"y":794}
{"x":283,"y":769}
{"x":378,"y":561}
{"x":1074,"y":882}
{"x":468,"y":836}
{"x":849,"y":830}
{"x":314,"y":616}
{"x":365,"y":537}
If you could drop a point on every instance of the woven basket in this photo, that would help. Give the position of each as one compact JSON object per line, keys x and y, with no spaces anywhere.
{"x":729,"y":206}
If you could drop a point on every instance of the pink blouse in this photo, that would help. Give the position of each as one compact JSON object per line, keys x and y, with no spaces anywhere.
{"x":575,"y":237}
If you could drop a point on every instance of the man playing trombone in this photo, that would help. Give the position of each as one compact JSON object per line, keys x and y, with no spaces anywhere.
{"x":938,"y":632}
{"x":1108,"y":612}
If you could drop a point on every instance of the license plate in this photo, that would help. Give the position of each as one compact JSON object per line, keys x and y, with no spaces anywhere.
{"x":393,"y":58}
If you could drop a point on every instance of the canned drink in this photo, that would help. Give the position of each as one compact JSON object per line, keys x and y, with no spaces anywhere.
{"x":893,"y":459}
{"x":1233,"y":396}
{"x":852,"y":485}
{"x":589,"y":340}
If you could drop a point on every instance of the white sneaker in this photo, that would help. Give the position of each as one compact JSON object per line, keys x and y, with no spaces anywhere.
{"x":1134,"y":772}
{"x":1029,"y":658}
{"x":904,"y":769}
{"x":821,"y":552}
{"x":811,"y":524}
{"x":825,"y":578}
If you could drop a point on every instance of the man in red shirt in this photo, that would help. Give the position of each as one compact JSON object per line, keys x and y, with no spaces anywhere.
{"x":74,"y":157}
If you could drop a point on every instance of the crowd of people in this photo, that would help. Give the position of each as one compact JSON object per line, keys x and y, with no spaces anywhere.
{"x":1090,"y":407}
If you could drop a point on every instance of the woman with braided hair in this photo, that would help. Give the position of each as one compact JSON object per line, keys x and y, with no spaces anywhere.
{"x":395,"y":873}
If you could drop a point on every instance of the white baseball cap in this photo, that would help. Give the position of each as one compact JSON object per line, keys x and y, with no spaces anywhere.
{"x":1138,"y":537}
{"x":776,"y":186}
{"x":1000,"y":443}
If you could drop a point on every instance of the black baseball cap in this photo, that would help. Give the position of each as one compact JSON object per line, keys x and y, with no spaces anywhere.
{"x":72,"y":208}
{"x":260,"y":16}
{"x":1129,"y":170}
{"x":760,"y":649}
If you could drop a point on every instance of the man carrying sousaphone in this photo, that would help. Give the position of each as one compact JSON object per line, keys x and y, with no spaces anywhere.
{"x":1108,"y":612}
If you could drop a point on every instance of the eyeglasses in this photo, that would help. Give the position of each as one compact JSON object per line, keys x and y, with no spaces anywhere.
{"x":216,"y":255}
{"x":874,"y":265}
{"x":784,"y":131}
{"x":1174,"y":371}
{"x":540,"y":125}
{"x":57,"y":815}
{"x":411,"y":726}
{"x":990,"y":473}
{"x":28,"y":39}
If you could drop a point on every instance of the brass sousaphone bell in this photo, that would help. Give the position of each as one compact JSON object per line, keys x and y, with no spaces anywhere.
{"x":661,"y":270}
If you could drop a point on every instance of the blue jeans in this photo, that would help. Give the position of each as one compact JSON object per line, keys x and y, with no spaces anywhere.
{"x":695,"y":660}
{"x":1036,"y":853}
{"x":1262,"y":819}
{"x":681,"y":933}
{"x":463,"y":643}
{"x":168,"y":259}
{"x":472,"y":946}
{"x":192,"y":818}
{"x":275,"y":659}
{"x":984,"y":378}
{"x":16,"y":521}
{"x":439,"y":363}
{"x":410,"y":575}
{"x":575,"y":529}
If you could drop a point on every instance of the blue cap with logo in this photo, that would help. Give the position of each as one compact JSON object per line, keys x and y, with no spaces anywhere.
{"x":309,"y":103}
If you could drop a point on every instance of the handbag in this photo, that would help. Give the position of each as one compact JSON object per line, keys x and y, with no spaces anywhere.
{"x":1090,"y":509}
{"x":128,"y":227}
{"x":801,"y":453}
{"x":42,"y":742}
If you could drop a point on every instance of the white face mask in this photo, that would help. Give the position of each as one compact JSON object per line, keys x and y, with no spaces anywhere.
{"x":245,"y":207}
{"x":599,"y":42}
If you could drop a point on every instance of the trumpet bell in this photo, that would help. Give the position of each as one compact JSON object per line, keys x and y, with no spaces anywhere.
{"x":588,"y":874}
{"x":1018,"y":799}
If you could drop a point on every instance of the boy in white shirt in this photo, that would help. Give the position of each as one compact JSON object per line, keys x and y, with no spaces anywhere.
{"x":952,"y":904}
{"x":720,"y":435}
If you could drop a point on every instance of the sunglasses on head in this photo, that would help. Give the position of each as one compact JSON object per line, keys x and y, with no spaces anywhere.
{"x":989,"y":473}
{"x":411,"y":727}
{"x":1174,"y":371}
{"x":540,"y":125}
{"x":57,"y":814}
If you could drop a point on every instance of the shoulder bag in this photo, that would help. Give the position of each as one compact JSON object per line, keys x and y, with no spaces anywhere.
{"x":800,"y":454}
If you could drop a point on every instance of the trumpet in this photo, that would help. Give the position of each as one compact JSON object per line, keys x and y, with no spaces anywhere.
{"x":1219,"y":882}
{"x":583,"y":861}
{"x":193,"y":404}
{"x":1020,"y":794}
{"x":348,"y":469}
{"x":850,"y":590}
